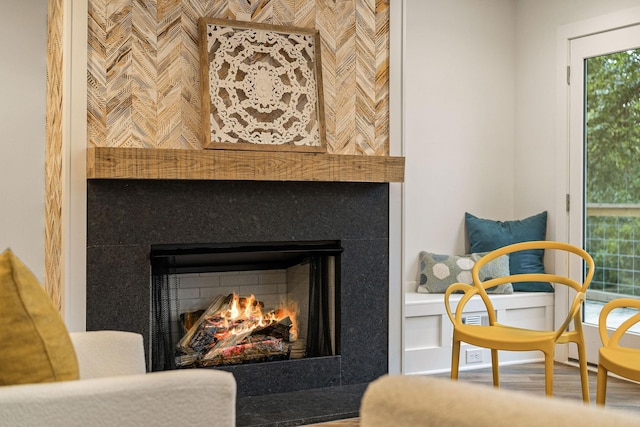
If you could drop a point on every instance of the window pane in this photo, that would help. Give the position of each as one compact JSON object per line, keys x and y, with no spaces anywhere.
{"x":612,"y":176}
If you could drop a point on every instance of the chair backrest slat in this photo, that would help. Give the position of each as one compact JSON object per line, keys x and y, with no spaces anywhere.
{"x":618,"y":333}
{"x":579,"y":287}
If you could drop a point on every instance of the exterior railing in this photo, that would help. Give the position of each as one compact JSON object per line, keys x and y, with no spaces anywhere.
{"x":612,"y":237}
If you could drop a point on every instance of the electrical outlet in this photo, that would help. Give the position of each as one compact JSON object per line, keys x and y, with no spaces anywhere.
{"x":474,"y":356}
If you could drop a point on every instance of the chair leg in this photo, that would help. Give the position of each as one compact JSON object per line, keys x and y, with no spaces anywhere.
{"x":455,"y":359}
{"x":548,"y":374}
{"x":495,"y":368}
{"x":601,"y":387}
{"x":584,"y":373}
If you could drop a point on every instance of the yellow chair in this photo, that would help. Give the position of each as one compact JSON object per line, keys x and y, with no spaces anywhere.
{"x":497,"y":336}
{"x":623,"y":361}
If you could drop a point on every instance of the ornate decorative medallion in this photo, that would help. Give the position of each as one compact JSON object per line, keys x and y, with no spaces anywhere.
{"x":261,"y":87}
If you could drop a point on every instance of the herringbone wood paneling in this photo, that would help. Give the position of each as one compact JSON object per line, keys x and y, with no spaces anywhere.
{"x":170,"y":44}
{"x":381,"y":121}
{"x":365,"y":54}
{"x":305,"y":12}
{"x":53,"y":155}
{"x":119,"y":74}
{"x":283,"y":12}
{"x":326,"y":24}
{"x":97,"y":73}
{"x":345,"y":100}
{"x":144,"y":53}
{"x":144,"y":88}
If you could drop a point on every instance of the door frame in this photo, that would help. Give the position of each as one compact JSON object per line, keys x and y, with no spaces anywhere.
{"x":565,"y":164}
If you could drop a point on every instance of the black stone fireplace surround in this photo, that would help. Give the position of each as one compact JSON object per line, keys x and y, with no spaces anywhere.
{"x":126,"y":217}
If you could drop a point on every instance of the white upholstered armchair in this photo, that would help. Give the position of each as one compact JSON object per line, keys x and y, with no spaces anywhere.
{"x":115,"y":390}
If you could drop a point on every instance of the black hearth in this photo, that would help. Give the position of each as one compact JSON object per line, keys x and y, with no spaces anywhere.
{"x":127,"y":217}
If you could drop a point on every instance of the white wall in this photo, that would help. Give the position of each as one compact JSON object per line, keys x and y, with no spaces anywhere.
{"x":479,"y":115}
{"x":459,"y":121}
{"x":23,"y":49}
{"x":538,"y":22}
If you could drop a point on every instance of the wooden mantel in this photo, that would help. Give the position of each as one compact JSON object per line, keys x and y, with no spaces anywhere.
{"x":147,"y":163}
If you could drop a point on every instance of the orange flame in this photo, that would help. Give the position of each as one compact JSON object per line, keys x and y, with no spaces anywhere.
{"x":245,"y":314}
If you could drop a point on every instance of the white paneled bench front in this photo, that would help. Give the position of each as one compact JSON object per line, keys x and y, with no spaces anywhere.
{"x":427,"y":329}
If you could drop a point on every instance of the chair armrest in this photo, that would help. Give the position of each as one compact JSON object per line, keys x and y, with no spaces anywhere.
{"x":169,"y":398}
{"x":408,"y":401}
{"x":108,"y":353}
{"x":468,"y":291}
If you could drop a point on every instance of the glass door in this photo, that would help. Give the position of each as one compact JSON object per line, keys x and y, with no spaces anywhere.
{"x":605,"y":168}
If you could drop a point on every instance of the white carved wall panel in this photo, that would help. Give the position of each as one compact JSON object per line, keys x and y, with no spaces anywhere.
{"x":260,"y":86}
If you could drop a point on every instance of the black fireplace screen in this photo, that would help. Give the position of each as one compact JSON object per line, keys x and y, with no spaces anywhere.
{"x":319,"y":324}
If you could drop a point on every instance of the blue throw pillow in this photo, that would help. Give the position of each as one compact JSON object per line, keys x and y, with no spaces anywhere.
{"x":487,"y":235}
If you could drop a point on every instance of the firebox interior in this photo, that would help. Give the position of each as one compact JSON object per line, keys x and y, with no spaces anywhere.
{"x":318,"y":260}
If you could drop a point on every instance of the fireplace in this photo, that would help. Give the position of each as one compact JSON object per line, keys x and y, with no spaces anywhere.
{"x":217,"y":305}
{"x":130,"y":219}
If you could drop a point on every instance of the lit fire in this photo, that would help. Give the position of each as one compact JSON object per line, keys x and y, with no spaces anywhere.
{"x":234,"y":329}
{"x":245,"y":315}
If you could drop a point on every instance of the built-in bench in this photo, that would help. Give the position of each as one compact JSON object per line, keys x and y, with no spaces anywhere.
{"x":428,"y":330}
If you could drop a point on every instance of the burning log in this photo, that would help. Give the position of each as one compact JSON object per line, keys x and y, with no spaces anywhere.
{"x":234,"y":330}
{"x":281,"y":329}
{"x":197,"y":337}
{"x":253,"y":348}
{"x":189,"y":319}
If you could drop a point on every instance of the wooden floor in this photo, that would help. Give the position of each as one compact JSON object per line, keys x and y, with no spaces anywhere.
{"x":529,"y":378}
{"x":566,"y":380}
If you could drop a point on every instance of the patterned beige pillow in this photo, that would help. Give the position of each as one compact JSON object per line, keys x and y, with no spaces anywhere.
{"x":438,"y":272}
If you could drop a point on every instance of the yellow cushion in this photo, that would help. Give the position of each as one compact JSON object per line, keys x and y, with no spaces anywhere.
{"x":36,"y":346}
